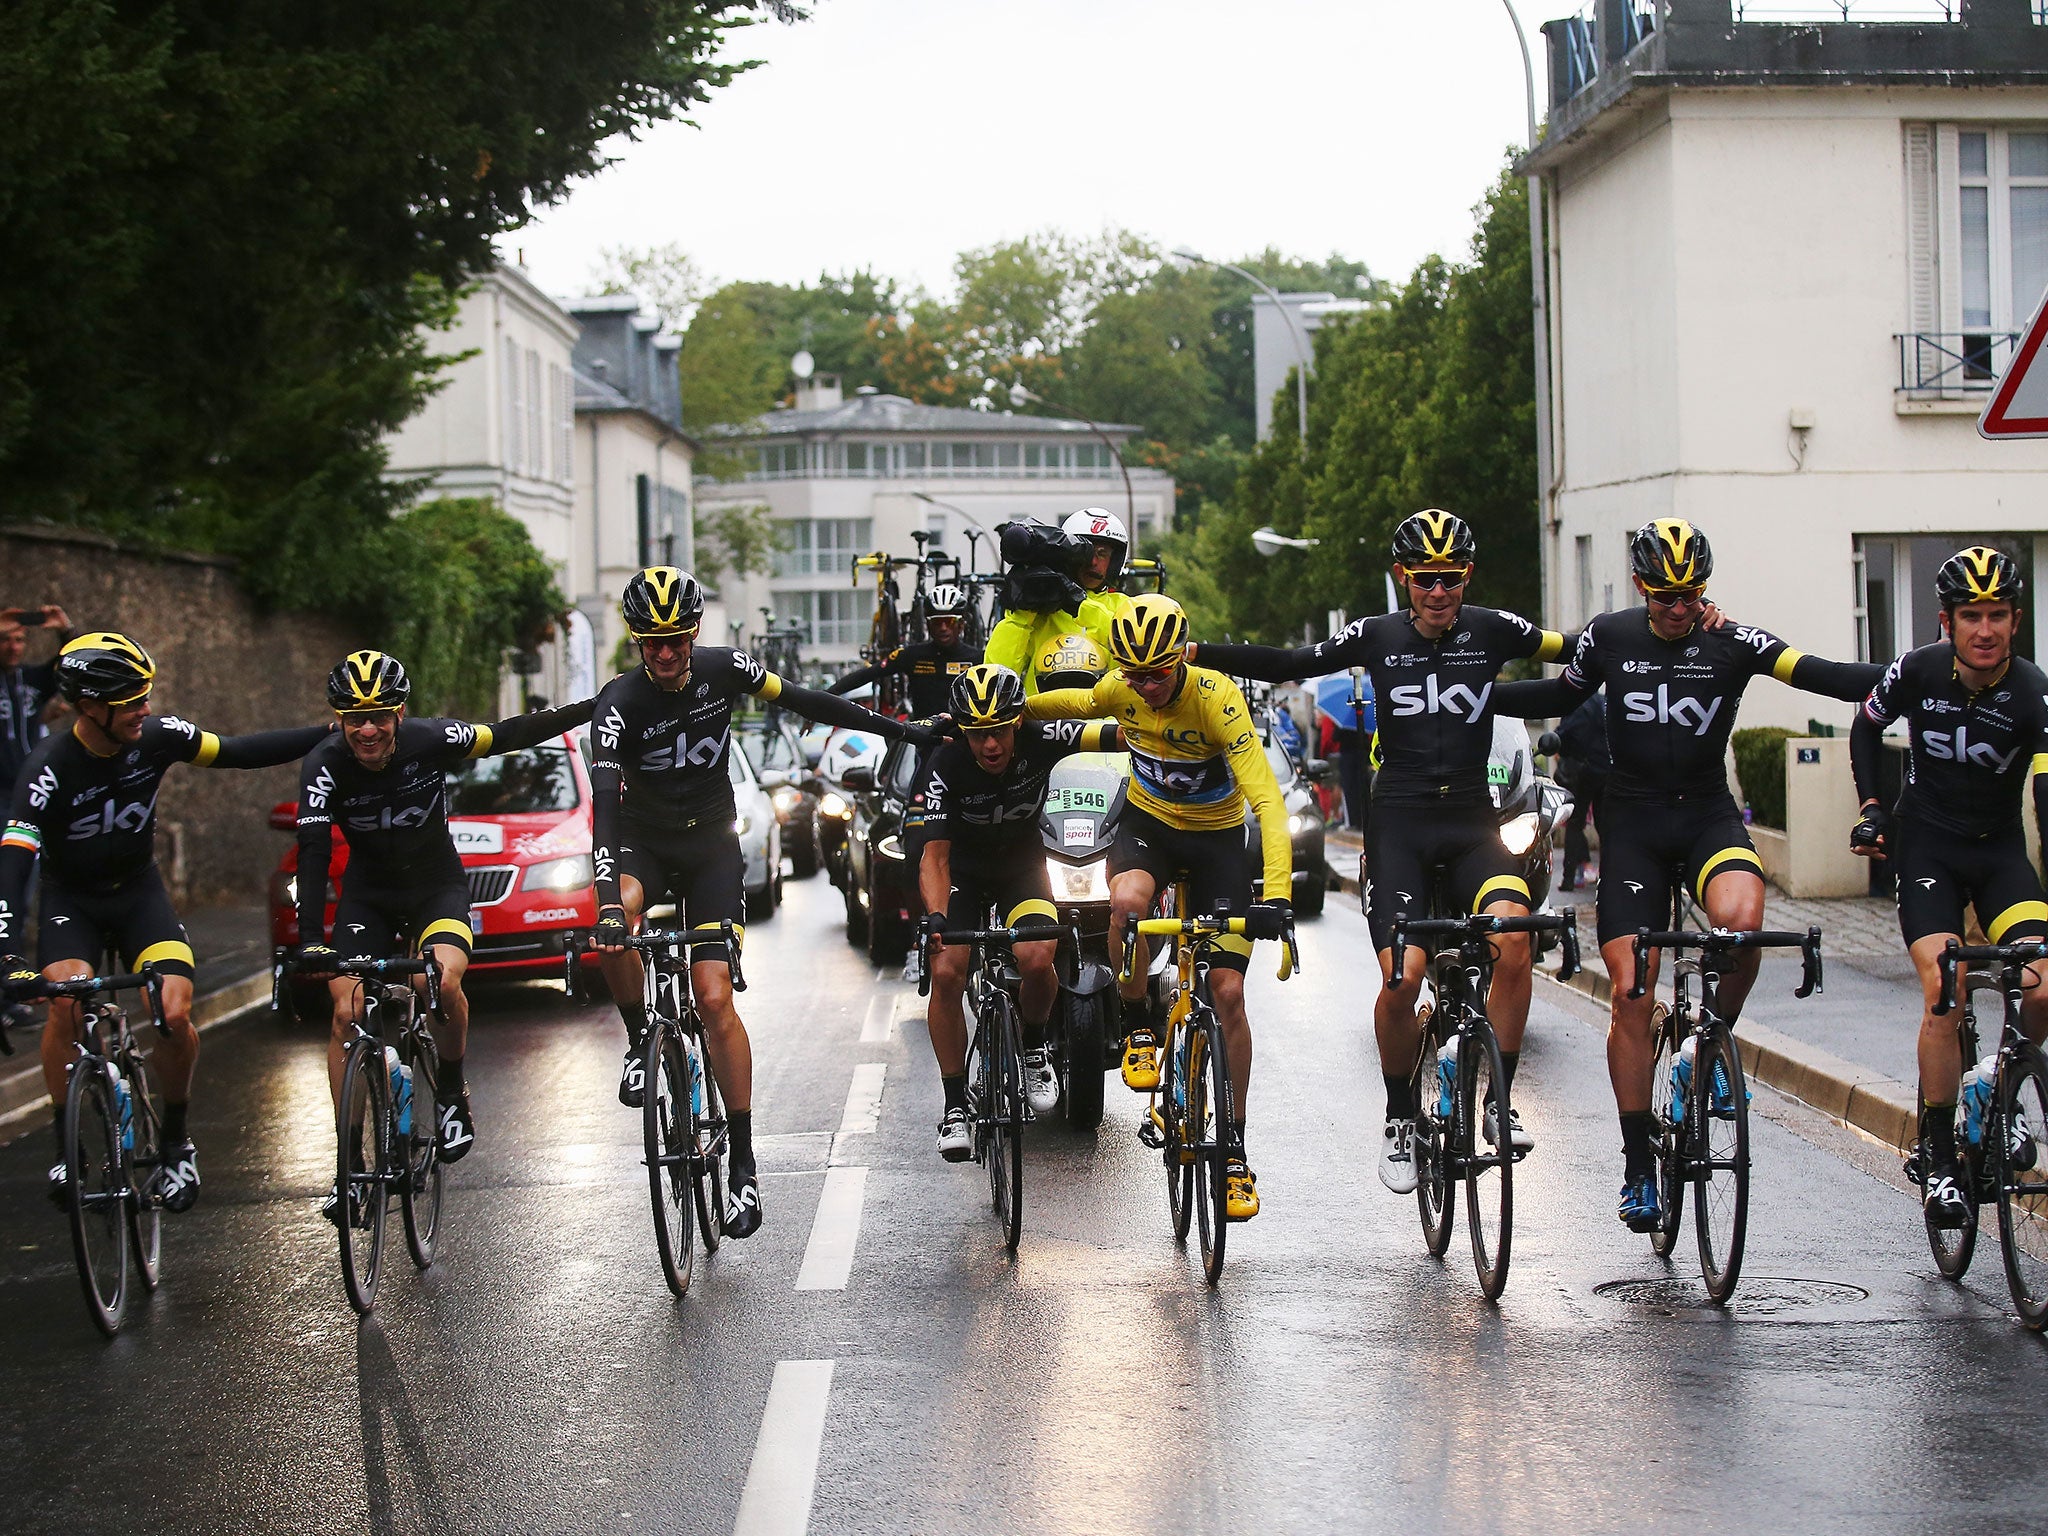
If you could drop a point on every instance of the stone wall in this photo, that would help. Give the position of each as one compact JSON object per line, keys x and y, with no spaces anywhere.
{"x":219,"y":664}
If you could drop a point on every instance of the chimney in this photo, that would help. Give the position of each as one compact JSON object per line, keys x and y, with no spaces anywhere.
{"x":820,"y":392}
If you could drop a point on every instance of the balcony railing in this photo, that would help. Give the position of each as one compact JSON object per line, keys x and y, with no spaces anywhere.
{"x":1582,"y":42}
{"x":1952,"y":362}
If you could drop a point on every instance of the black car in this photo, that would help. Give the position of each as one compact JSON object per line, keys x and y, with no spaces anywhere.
{"x":776,"y":751}
{"x":882,"y":901}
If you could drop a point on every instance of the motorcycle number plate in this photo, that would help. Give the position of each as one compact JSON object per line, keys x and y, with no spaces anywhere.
{"x":1063,"y":800}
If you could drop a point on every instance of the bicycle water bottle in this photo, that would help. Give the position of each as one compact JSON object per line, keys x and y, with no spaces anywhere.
{"x":1446,"y":1078}
{"x":127,"y":1108}
{"x":1681,"y":1076}
{"x":696,"y":1081}
{"x":1979,"y":1083}
{"x":401,"y":1089}
{"x":1182,"y":1051}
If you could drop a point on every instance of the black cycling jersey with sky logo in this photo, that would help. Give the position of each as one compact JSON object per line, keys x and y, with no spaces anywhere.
{"x":928,"y":669}
{"x":395,"y":818}
{"x":91,"y":820}
{"x":1971,"y":751}
{"x":985,"y":815}
{"x":1433,"y":696}
{"x":659,"y":758}
{"x":1671,"y":703}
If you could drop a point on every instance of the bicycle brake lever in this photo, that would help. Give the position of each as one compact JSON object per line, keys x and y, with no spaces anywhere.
{"x":153,"y":986}
{"x":1810,"y":983}
{"x":1642,"y":949}
{"x":1568,"y":960}
{"x":1946,"y":961}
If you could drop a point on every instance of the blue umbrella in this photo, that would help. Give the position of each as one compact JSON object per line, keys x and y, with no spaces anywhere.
{"x":1333,"y":698}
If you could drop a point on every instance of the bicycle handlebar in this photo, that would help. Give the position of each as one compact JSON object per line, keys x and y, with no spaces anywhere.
{"x":1004,"y":938}
{"x":2002,"y":955}
{"x":1723,"y":941}
{"x":726,"y":932}
{"x":1481,"y":924}
{"x":1204,"y":929}
{"x":362,"y":968}
{"x":148,"y":981}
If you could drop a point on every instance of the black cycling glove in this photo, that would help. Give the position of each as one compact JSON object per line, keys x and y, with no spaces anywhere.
{"x":17,"y":972}
{"x":1268,"y":919}
{"x":611,"y":928}
{"x":315,"y":959}
{"x":922,"y":737}
{"x":1871,"y":830}
{"x":931,"y":924}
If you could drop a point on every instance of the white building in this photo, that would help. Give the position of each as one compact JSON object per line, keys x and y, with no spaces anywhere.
{"x":1283,"y":338}
{"x":1784,"y":263}
{"x":847,"y":477}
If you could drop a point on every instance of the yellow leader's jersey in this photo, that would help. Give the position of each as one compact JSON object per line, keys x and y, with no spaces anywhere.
{"x":1195,"y":763}
{"x":1020,"y":638}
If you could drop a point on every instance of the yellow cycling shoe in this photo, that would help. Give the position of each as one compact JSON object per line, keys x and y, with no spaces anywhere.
{"x":1242,"y":1202}
{"x":1141,"y":1061}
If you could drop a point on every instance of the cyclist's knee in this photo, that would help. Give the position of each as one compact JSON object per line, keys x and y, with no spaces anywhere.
{"x":1512,"y":952}
{"x":1035,"y":960}
{"x":1226,"y":990}
{"x":949,"y":967}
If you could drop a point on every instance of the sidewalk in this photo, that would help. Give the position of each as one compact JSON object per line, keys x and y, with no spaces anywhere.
{"x":232,"y":945}
{"x":1849,"y":1050}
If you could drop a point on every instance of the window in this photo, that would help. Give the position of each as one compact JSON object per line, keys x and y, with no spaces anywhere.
{"x":536,"y":444}
{"x":825,"y":618}
{"x":1582,"y":549}
{"x":913,"y":458}
{"x":513,"y":784}
{"x":1896,"y":608}
{"x":672,"y":524}
{"x":1977,"y":242}
{"x":781,"y":461}
{"x":564,"y":398}
{"x":515,"y":407}
{"x":822,"y":546}
{"x":2002,"y":204}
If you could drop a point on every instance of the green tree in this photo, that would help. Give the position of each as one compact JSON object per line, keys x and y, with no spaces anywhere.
{"x":665,"y":278}
{"x":739,"y":541}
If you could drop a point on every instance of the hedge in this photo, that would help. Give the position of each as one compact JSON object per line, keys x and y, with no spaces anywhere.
{"x":1760,"y":766}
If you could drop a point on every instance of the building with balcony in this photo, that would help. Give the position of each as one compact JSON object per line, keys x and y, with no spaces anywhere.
{"x":1786,"y":257}
{"x":842,"y":477}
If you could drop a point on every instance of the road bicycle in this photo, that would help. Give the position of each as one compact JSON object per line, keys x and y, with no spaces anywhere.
{"x":387,"y":1123}
{"x":682,"y":1117}
{"x":894,"y":624}
{"x":112,"y":1133}
{"x":1462,"y":1098}
{"x":2001,"y":1127}
{"x":995,"y":1052}
{"x":1191,"y":1118}
{"x":1699,"y":1097}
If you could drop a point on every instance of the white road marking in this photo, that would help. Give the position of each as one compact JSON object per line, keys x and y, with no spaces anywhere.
{"x":784,"y":1474}
{"x":828,"y":1256}
{"x":880,"y":1022}
{"x":863,"y":1112}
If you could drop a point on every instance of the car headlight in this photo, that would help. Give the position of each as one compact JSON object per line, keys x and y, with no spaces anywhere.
{"x":1078,"y":882}
{"x":1518,"y":834}
{"x":787,"y":800}
{"x":890,"y":847}
{"x":570,"y":874}
{"x":291,"y":890}
{"x":1295,"y":824}
{"x":741,"y":823}
{"x":832,"y":805}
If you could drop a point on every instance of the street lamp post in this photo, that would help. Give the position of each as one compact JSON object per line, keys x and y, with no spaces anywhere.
{"x":1300,"y":351}
{"x":1539,"y":284}
{"x":1269,"y":542}
{"x":1019,"y":395}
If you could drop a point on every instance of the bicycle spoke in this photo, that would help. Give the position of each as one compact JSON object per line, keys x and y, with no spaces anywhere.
{"x":2022,"y":1163}
{"x":1719,"y":1110}
{"x":93,"y":1156}
{"x":364,"y":1183}
{"x":1489,"y":1169}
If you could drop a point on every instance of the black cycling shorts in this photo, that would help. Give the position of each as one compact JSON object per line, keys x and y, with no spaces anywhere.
{"x":1407,"y":847}
{"x":1938,"y":872}
{"x":136,"y":920}
{"x":1215,"y":863}
{"x":1642,"y":844}
{"x":698,"y":866}
{"x":1013,"y":881}
{"x":374,"y":923}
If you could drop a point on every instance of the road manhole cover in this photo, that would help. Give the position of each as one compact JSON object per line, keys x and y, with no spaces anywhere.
{"x":1759,"y":1296}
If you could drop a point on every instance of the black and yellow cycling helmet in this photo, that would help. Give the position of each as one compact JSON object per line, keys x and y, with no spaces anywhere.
{"x":1149,"y":632}
{"x":104,"y":668}
{"x":365,"y":681}
{"x":1432,"y":537}
{"x":1979,"y":574}
{"x":986,"y":696}
{"x":1670,"y":553}
{"x":662,"y":600}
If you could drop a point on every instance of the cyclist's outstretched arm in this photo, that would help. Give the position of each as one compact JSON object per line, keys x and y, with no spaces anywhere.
{"x":20,"y":843}
{"x":1850,"y":681}
{"x":1072,"y":703}
{"x":523,"y":731}
{"x":1267,"y":663}
{"x":605,"y":782}
{"x":860,"y":677}
{"x":1254,"y":776}
{"x":1866,"y":732}
{"x":826,"y":708}
{"x":1071,"y":735}
{"x":1539,"y":698}
{"x":258,"y":749}
{"x":316,"y":846}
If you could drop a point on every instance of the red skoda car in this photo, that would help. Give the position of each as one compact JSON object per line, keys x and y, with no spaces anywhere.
{"x":522,"y":825}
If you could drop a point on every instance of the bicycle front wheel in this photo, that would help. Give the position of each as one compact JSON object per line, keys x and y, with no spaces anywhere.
{"x":1208,"y":1132}
{"x":365,"y":1114}
{"x":1006,"y":1124}
{"x":665,"y":1131}
{"x":1434,"y":1197}
{"x":145,"y":1216}
{"x":420,"y":1143}
{"x":2020,"y":1154}
{"x":99,"y":1193}
{"x":1719,"y":1116}
{"x":1489,"y":1161}
{"x":1666,"y":1116}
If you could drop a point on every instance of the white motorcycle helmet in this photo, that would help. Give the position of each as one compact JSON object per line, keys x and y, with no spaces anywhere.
{"x":1103,"y":526}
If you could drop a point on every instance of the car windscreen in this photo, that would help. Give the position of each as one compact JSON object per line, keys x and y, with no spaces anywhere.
{"x":1283,"y":765}
{"x":769,"y":750}
{"x":513,"y":784}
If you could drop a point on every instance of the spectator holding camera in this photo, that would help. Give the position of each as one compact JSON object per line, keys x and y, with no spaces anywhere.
{"x":28,"y":692}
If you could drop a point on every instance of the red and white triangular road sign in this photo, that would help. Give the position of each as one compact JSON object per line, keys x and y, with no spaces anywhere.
{"x":2019,"y":401}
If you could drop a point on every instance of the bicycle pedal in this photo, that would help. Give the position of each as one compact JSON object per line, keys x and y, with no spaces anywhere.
{"x":1151,"y":1134}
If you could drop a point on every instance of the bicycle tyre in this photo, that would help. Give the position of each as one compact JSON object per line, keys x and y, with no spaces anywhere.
{"x":1489,"y":1173}
{"x":1006,"y":1160}
{"x":665,"y":1136}
{"x":1081,"y":1056}
{"x":709,"y":1165}
{"x":1953,"y":1247}
{"x":1664,"y":1127}
{"x":1434,"y":1197}
{"x":145,"y":1216}
{"x":2023,"y":1190}
{"x":1720,"y":1197}
{"x":1209,"y":1113}
{"x":1180,"y":1163}
{"x":365,"y":1100}
{"x":420,"y":1192}
{"x":98,"y":1190}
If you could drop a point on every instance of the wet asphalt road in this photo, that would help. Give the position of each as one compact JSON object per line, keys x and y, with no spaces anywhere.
{"x":541,"y":1377}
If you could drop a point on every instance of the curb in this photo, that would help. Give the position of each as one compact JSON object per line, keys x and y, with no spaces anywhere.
{"x":1882,"y":1108}
{"x":21,"y":1089}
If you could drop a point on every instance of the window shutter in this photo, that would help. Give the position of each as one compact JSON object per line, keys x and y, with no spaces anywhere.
{"x":1948,"y":229}
{"x":1923,"y":305}
{"x":515,"y":409}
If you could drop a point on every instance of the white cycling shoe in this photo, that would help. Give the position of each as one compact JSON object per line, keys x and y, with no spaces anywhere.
{"x":1041,"y":1083}
{"x":1397,"y":1156}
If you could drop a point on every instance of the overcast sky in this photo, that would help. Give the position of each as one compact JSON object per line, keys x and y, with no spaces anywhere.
{"x":894,"y":133}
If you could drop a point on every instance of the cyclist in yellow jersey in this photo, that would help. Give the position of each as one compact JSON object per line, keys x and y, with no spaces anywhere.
{"x":1022,"y":638}
{"x":1195,"y":763}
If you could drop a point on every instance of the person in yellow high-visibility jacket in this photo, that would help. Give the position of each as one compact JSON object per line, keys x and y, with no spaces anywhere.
{"x":1023,"y":637}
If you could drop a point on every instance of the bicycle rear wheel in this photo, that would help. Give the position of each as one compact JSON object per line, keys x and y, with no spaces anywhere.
{"x":665,"y":1133}
{"x":1489,"y":1169}
{"x":421,"y":1188}
{"x":1953,"y":1247}
{"x":99,"y":1192}
{"x":1006,"y":1123}
{"x":709,"y":1134}
{"x":2020,"y":1154}
{"x":1665,"y":1128}
{"x":365,"y":1191}
{"x":145,"y":1216}
{"x":1719,"y":1116}
{"x":1208,"y":1131}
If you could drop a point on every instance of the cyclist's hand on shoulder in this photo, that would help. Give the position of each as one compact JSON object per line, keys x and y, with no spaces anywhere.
{"x":920,"y":734}
{"x":1711,"y":616}
{"x":1268,"y":919}
{"x":612,"y":930}
{"x":1867,"y":836}
{"x":317,"y":962}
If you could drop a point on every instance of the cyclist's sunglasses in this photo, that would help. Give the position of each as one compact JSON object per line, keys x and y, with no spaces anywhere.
{"x":1440,"y":581}
{"x":1145,"y":677}
{"x":677,"y":642}
{"x":355,"y":719}
{"x":1678,"y":597}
